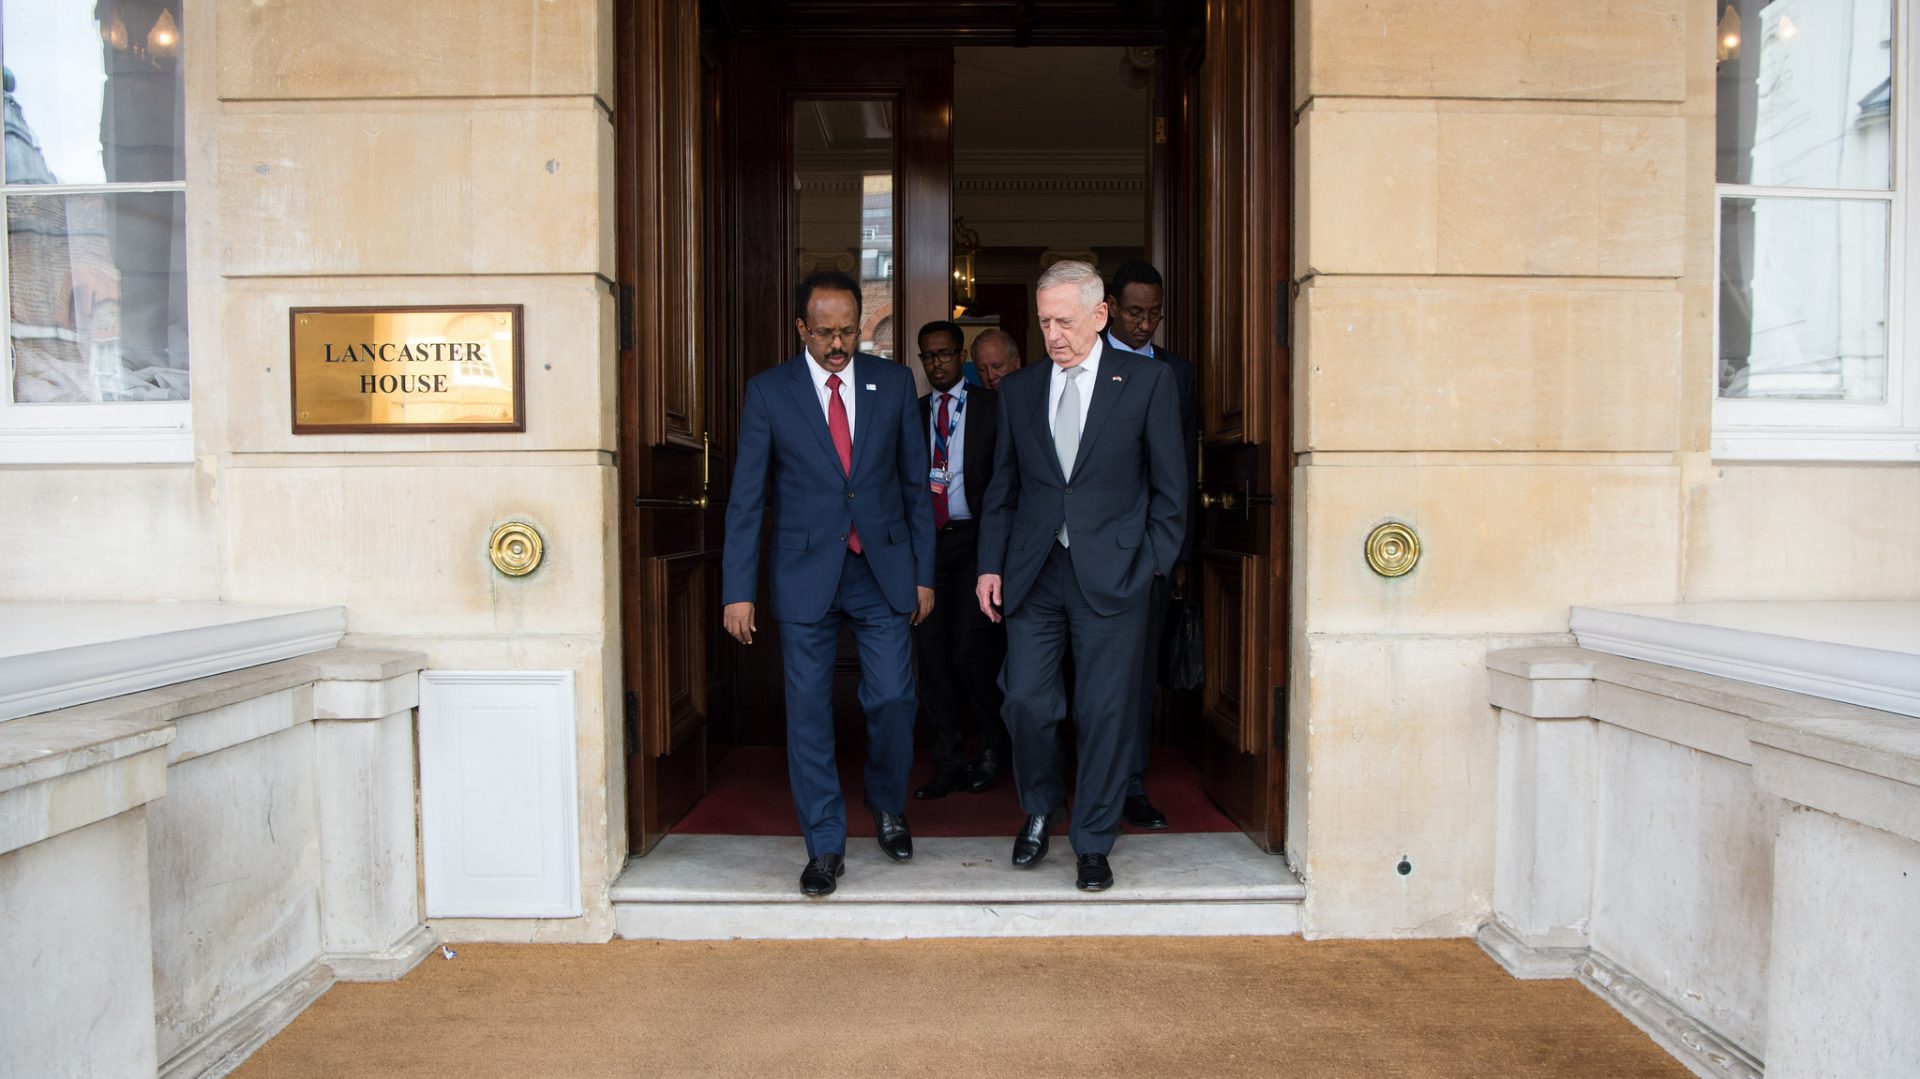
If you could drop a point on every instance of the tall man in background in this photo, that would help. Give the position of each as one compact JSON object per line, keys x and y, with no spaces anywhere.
{"x":1083,"y":512}
{"x":1136,"y":301}
{"x":839,"y":437}
{"x":960,"y":650}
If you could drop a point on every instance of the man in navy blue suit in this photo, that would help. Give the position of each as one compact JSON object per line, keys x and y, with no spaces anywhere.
{"x":838,"y":435}
{"x":1085,"y":509}
{"x":1135,"y":297}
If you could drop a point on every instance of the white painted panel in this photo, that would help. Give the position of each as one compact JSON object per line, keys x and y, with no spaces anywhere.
{"x":498,"y":810}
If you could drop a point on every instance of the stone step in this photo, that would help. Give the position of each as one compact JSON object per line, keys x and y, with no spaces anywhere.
{"x":723,"y":887}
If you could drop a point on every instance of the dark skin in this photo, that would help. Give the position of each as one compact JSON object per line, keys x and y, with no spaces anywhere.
{"x":941,"y":357}
{"x":1137,"y":314}
{"x":831,"y":333}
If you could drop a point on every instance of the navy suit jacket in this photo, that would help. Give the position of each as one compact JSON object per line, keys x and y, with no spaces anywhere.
{"x":784,"y":442}
{"x":1124,"y":506}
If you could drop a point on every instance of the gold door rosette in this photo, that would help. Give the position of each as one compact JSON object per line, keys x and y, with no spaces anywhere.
{"x":1392,"y":549}
{"x":516,"y":548}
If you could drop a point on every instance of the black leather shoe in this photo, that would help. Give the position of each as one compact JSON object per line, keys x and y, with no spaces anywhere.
{"x":1030,"y":845}
{"x":1140,"y":813}
{"x":1095,"y":876}
{"x":891,"y":830}
{"x":818,"y":877}
{"x":983,"y":774}
{"x":941,"y":786}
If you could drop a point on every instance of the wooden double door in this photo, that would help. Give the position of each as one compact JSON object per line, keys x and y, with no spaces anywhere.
{"x":777,"y":137}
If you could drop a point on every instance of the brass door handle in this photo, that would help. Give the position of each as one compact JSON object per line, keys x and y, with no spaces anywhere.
{"x":1223,"y":501}
{"x":684,"y":502}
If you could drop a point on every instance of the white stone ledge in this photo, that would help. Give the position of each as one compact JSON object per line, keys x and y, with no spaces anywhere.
{"x":1854,"y":762}
{"x":64,"y":803}
{"x":1863,"y":653}
{"x":56,"y":655}
{"x":40,"y":747}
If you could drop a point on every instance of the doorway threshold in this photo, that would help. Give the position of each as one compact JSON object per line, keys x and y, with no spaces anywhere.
{"x":705,"y":887}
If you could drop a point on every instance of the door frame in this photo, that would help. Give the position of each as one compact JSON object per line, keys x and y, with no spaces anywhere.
{"x":1230,"y":299}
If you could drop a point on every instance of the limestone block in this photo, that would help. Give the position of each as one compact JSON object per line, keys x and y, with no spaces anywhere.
{"x":369,"y":852}
{"x":1841,"y":991}
{"x":1460,"y":188}
{"x":1488,"y":366}
{"x":1503,"y":549}
{"x":568,"y":350}
{"x":1683,"y":879}
{"x":76,"y":946}
{"x":234,"y":919}
{"x":134,"y":533}
{"x":1813,"y":531}
{"x":1402,"y":751}
{"x":1541,"y":698}
{"x":420,"y":48}
{"x":404,"y":548}
{"x":417,"y":188}
{"x":1615,"y":50}
{"x":1543,"y":868}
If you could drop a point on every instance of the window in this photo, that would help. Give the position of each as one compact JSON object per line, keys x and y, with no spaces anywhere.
{"x":93,"y":273}
{"x":1817,"y":355}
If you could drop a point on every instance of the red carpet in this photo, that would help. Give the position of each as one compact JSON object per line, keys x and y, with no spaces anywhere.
{"x":748,"y":796}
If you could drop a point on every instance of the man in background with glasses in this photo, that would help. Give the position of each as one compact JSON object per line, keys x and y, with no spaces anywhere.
{"x":834,"y":437}
{"x":960,"y":650}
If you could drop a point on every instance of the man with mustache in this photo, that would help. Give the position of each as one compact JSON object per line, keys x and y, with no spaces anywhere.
{"x":1084,"y":511}
{"x":838,"y":435}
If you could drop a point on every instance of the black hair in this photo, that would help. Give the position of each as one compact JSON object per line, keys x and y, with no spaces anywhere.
{"x":1132,"y":273}
{"x":824,"y":281}
{"x":943,"y":326}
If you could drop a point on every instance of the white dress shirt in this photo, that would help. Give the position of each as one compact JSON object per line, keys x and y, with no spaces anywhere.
{"x":820,"y":390}
{"x":957,"y":509}
{"x":1058,"y":385}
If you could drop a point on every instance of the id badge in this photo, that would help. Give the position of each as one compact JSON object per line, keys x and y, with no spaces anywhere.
{"x":939,"y":477}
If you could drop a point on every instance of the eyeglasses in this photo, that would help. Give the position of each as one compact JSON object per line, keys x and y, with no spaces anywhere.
{"x":850,"y":335}
{"x":940,"y":354}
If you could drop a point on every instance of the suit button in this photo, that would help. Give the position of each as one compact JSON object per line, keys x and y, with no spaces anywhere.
{"x":849,"y":496}
{"x":1069,"y":490}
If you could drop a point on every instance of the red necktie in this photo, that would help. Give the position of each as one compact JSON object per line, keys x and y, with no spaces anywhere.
{"x":942,"y":432}
{"x":842,"y":433}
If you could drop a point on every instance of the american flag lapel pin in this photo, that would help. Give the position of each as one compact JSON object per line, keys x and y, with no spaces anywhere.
{"x":1118,"y":378}
{"x":871,"y":386}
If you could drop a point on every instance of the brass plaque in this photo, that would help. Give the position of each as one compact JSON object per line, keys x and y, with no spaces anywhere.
{"x":395,"y":370}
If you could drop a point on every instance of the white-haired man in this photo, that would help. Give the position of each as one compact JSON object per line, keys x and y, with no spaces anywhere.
{"x":1085,"y":509}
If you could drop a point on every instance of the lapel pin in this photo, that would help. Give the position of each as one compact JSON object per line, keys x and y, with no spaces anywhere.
{"x":871,"y":386}
{"x":1117,"y":378}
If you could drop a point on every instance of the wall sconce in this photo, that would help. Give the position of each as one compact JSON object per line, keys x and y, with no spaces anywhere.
{"x":1726,"y":45}
{"x":164,"y":38}
{"x":966,"y":244}
{"x":115,"y":32}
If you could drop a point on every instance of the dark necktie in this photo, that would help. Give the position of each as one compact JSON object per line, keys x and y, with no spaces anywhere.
{"x":842,"y":433}
{"x":942,"y":431}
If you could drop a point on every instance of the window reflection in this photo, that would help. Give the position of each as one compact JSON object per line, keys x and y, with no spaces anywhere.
{"x":843,"y":204}
{"x":1808,"y":100}
{"x":1803,"y":298}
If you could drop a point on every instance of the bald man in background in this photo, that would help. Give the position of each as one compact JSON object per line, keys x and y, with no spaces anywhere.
{"x":995,"y":356}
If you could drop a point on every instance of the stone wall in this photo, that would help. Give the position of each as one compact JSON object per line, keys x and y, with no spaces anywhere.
{"x":1504,"y":240}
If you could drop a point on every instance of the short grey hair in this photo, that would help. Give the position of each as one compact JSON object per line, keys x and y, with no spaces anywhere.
{"x":1093,"y":290}
{"x":996,"y":335}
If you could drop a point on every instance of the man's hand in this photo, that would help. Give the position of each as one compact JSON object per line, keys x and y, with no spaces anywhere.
{"x":926,"y":605}
{"x":987,"y":590}
{"x":1180,"y":579}
{"x":738,"y":618}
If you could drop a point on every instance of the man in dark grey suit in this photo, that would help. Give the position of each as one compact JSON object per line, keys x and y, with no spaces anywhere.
{"x":1085,"y":509}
